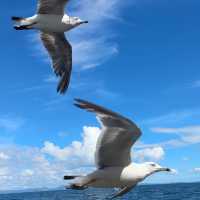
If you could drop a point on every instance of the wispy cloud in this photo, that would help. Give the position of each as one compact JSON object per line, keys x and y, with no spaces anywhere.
{"x":185,"y":135}
{"x":10,"y":123}
{"x":172,"y":117}
{"x":95,"y":43}
{"x":149,"y":154}
{"x":86,"y":55}
{"x":4,"y":156}
{"x":181,"y":136}
{"x":196,"y":84}
{"x":185,"y":158}
{"x":197,"y":170}
{"x":51,"y":79}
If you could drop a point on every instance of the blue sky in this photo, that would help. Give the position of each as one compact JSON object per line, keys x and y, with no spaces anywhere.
{"x":140,"y":58}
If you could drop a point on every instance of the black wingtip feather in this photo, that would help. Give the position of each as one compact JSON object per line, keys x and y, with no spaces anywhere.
{"x":81,"y":103}
{"x":64,"y":83}
{"x":78,"y":101}
{"x":79,"y":106}
{"x":14,"y":18}
{"x":69,"y":177}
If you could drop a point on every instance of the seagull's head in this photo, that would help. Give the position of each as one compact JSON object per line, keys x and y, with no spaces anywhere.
{"x":76,"y":21}
{"x":154,"y":167}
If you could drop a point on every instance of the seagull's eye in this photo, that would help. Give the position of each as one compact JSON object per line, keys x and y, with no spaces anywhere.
{"x":153,"y":165}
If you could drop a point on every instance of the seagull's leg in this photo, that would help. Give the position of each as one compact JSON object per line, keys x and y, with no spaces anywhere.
{"x":123,"y":191}
{"x":81,"y":186}
{"x":75,"y":187}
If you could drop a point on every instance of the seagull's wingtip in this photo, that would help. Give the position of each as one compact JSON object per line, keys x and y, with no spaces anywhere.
{"x":64,"y":83}
{"x":14,"y":18}
{"x":80,"y":103}
{"x":60,"y":91}
{"x":78,"y":100}
{"x":77,"y":103}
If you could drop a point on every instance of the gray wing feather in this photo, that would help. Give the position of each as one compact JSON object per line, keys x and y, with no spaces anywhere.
{"x":60,"y":51}
{"x":54,"y":7}
{"x":117,"y":136}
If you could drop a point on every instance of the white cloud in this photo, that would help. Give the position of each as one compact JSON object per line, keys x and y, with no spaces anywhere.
{"x":186,"y":135}
{"x":94,"y":43}
{"x":4,"y":156}
{"x":10,"y":123}
{"x":196,"y":84}
{"x":27,"y":173}
{"x":182,"y":136}
{"x":33,"y":167}
{"x":51,"y":79}
{"x":63,"y":134}
{"x":185,"y":158}
{"x":149,"y":154}
{"x":4,"y":171}
{"x":86,"y":55}
{"x":197,"y":170}
{"x":77,"y":153}
{"x":28,"y":168}
{"x":82,"y":153}
{"x":174,"y":171}
{"x":173,"y":117}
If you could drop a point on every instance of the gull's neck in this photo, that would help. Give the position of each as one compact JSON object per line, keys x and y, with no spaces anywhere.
{"x":141,"y":168}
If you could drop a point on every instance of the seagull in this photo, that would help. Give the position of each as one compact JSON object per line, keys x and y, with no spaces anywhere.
{"x":113,"y":154}
{"x":52,"y":22}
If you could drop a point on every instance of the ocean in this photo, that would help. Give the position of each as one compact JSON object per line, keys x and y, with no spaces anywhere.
{"x":189,"y":191}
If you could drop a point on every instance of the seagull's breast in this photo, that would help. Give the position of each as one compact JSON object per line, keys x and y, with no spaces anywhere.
{"x":114,"y":177}
{"x":107,"y":177}
{"x":132,"y":174}
{"x":52,"y":23}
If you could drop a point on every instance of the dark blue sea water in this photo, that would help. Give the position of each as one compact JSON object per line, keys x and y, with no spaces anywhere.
{"x":148,"y":192}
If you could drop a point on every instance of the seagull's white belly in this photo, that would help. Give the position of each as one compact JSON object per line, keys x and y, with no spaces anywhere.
{"x":51,"y":23}
{"x":112,"y":177}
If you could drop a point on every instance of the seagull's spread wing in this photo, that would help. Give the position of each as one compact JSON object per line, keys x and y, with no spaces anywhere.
{"x":53,"y":7}
{"x":61,"y":53}
{"x":116,"y":139}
